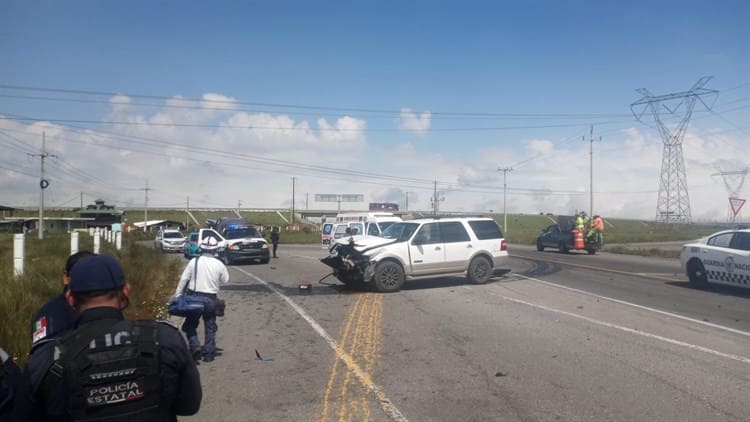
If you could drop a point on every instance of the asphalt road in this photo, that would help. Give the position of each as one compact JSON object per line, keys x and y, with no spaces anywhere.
{"x":559,"y":337}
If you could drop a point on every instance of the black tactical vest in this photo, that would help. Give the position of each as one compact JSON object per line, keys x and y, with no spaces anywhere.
{"x":110,"y":370}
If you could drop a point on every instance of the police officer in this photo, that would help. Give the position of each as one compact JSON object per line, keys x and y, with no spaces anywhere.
{"x":203,"y":276}
{"x":275,"y":240}
{"x":56,"y":316}
{"x":12,"y":390}
{"x":107,"y":367}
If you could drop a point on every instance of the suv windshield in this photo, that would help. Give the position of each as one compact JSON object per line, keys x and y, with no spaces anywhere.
{"x":172,"y":235}
{"x":384,"y":225}
{"x":400,"y":231}
{"x":239,"y":233}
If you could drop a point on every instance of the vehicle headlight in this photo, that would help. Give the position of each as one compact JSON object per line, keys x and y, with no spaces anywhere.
{"x":234,"y":248}
{"x":265,"y":246}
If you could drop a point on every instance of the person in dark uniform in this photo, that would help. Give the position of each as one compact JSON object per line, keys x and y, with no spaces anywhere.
{"x":275,"y":240}
{"x":56,"y":316}
{"x":12,"y":390}
{"x":107,"y":367}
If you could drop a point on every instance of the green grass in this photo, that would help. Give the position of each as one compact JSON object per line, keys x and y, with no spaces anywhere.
{"x":152,"y":276}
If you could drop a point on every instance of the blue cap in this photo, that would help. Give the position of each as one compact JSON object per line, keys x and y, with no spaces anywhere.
{"x":96,"y":272}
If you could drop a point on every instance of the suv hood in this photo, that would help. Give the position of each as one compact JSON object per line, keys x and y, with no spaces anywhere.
{"x":245,"y":240}
{"x":365,"y":243}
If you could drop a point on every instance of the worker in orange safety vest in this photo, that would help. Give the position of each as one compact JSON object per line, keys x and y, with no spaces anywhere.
{"x":597,"y":228}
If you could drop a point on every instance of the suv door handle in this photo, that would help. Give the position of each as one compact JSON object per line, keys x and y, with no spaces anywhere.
{"x":437,"y":248}
{"x":469,"y":246}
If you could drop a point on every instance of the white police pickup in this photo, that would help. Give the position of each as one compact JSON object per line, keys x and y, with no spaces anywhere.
{"x":238,"y":242}
{"x":721,"y":258}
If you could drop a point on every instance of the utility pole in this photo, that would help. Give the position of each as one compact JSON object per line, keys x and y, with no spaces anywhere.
{"x":187,"y":212}
{"x":406,"y":206}
{"x":307,"y":201}
{"x":293,"y":178}
{"x":591,"y":169}
{"x":505,"y":171}
{"x":145,"y":209}
{"x":43,"y":183}
{"x":239,"y":205}
{"x":436,"y":200}
{"x":81,"y":200}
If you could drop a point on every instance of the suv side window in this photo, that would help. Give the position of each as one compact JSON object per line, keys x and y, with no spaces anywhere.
{"x":453,"y":232}
{"x":486,"y":229}
{"x":428,"y":234}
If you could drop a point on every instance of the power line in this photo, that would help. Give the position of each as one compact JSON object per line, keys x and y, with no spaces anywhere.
{"x":306,"y":107}
{"x":9,"y":116}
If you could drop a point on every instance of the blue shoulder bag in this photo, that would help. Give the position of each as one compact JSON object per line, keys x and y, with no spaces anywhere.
{"x":187,"y":304}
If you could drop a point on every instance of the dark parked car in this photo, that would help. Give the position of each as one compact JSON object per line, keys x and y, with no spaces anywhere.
{"x":560,"y":236}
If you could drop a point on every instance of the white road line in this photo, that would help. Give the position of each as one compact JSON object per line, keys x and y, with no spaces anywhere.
{"x":633,"y":331}
{"x":388,"y":406}
{"x":646,"y":308}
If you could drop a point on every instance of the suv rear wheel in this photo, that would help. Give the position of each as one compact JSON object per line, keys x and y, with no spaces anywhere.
{"x":389,"y":277}
{"x":480,"y":270}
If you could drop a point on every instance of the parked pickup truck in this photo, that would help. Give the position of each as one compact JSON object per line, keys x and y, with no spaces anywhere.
{"x":561,"y":237}
{"x":236,"y":240}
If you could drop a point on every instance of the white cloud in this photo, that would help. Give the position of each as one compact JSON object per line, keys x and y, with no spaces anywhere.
{"x":238,"y":155}
{"x":415,"y":123}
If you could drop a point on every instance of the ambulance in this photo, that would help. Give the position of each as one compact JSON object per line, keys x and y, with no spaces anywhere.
{"x":358,"y":224}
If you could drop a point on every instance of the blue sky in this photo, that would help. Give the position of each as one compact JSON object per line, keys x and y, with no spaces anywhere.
{"x":564,"y":58}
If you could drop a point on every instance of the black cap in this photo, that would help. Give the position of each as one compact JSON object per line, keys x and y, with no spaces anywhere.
{"x":96,"y":272}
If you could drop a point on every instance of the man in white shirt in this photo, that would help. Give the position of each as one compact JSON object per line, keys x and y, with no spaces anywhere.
{"x":203,"y":276}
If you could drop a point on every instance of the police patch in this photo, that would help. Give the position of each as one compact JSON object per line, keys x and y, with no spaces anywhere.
{"x":40,"y":329}
{"x":104,"y":395}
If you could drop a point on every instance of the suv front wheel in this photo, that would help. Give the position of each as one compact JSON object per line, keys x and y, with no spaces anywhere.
{"x":480,"y":270}
{"x":389,"y":277}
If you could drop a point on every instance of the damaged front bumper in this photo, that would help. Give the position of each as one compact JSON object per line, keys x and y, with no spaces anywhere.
{"x":349,"y":265}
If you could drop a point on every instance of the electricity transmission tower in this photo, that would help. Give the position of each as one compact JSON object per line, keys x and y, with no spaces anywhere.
{"x":673,"y":204}
{"x":733,"y":181}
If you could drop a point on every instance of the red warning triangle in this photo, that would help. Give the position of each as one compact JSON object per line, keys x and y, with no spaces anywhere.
{"x":736,"y":204}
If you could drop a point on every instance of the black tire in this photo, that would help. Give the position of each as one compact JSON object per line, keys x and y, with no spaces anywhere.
{"x":696,"y":273}
{"x":539,"y":245}
{"x":563,"y":247}
{"x":265,"y":260}
{"x":480,"y":270}
{"x":591,"y":251}
{"x":389,"y":277}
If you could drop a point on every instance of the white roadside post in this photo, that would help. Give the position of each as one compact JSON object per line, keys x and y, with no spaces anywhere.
{"x":91,"y":231}
{"x":118,"y":240}
{"x":18,"y":252}
{"x":97,"y":241}
{"x":73,"y":242}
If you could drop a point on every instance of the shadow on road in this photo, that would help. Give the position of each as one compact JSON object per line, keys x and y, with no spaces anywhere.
{"x":713,"y":288}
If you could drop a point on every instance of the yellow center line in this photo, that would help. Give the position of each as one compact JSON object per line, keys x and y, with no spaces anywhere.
{"x":354,"y":347}
{"x":334,"y":369}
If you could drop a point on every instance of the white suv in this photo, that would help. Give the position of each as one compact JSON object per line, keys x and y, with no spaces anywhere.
{"x":169,"y":240}
{"x":421,"y":248}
